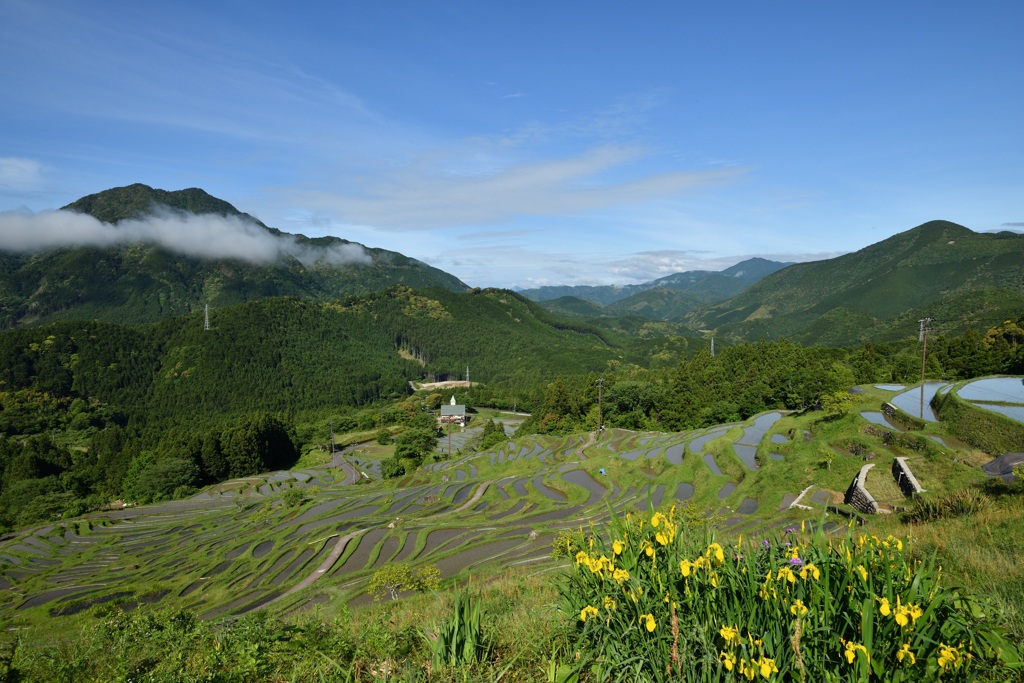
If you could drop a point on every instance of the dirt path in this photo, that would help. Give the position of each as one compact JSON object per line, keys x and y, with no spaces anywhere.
{"x":591,"y":440}
{"x":325,"y":566}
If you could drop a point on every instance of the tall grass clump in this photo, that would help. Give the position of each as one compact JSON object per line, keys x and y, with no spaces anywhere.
{"x":655,"y":600}
{"x":459,"y":639}
{"x":962,"y":503}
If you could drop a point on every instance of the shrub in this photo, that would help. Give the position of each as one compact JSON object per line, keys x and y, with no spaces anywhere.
{"x":960,"y":503}
{"x":658,"y":602}
{"x":392,"y":579}
{"x":294,"y":497}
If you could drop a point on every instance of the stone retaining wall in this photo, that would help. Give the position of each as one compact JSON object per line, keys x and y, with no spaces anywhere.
{"x":857,"y":495}
{"x":905,"y":479}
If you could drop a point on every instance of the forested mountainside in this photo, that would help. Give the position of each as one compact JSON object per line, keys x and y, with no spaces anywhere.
{"x":143,"y":281}
{"x":90,"y":410}
{"x":704,"y":286}
{"x":940,"y":270}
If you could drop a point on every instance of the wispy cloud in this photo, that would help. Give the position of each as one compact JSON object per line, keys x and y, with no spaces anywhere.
{"x":1019,"y":224}
{"x":85,"y":63}
{"x":416,"y":197}
{"x":20,"y":174}
{"x":650,"y":265}
{"x":207,"y":236}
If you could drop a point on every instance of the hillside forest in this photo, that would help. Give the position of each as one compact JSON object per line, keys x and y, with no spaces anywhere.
{"x":93,"y":411}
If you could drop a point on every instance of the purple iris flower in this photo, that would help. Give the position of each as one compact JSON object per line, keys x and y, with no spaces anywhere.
{"x":796,"y":560}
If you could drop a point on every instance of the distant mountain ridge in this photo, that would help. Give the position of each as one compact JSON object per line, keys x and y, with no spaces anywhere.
{"x":703,"y":286}
{"x":940,"y":270}
{"x":144,"y":282}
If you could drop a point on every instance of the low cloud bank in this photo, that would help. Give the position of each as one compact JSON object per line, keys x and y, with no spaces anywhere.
{"x":207,"y":236}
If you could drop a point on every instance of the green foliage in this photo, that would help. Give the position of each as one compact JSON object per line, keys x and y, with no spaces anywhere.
{"x":151,"y":479}
{"x":655,"y":602}
{"x":294,"y":497}
{"x":384,"y":437}
{"x":415,"y":444}
{"x":459,"y":640}
{"x":391,"y":468}
{"x":962,"y":503}
{"x":568,"y":542}
{"x":493,"y":434}
{"x":393,"y":579}
{"x":837,"y":403}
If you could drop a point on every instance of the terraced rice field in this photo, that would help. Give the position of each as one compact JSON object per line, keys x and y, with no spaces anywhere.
{"x":236,"y":547}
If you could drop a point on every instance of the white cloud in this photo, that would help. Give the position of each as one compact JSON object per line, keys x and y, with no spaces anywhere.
{"x":208,"y":236}
{"x":416,"y":197}
{"x":650,"y":265}
{"x":20,"y":174}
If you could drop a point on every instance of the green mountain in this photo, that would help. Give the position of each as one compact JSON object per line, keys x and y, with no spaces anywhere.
{"x":573,"y":307}
{"x":959,"y":278}
{"x":142,"y":281}
{"x":658,"y":303}
{"x":283,"y":354}
{"x":704,"y":286}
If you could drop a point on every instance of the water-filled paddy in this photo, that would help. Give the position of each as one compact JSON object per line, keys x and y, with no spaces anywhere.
{"x":748,"y":454}
{"x":674,"y":454}
{"x":752,"y":435}
{"x":877,"y":418}
{"x":684,"y":491}
{"x":697,"y":445}
{"x":709,"y":460}
{"x":583,"y":479}
{"x":910,"y":401}
{"x":538,"y":483}
{"x":1005,"y":389}
{"x":747,"y":507}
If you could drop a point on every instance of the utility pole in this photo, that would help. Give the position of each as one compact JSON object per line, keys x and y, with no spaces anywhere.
{"x":923,"y":338}
{"x":332,"y":437}
{"x":600,"y":410}
{"x":206,"y":318}
{"x":712,"y":347}
{"x":467,"y":375}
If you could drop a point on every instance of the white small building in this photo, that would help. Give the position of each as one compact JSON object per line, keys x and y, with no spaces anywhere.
{"x":452,"y":414}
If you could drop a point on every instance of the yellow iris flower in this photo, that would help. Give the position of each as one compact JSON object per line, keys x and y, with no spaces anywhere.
{"x":648,"y":621}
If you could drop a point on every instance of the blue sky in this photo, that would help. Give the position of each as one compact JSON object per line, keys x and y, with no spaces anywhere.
{"x":534,"y":143}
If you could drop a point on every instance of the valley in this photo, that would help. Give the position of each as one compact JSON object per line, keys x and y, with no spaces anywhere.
{"x":270,"y":488}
